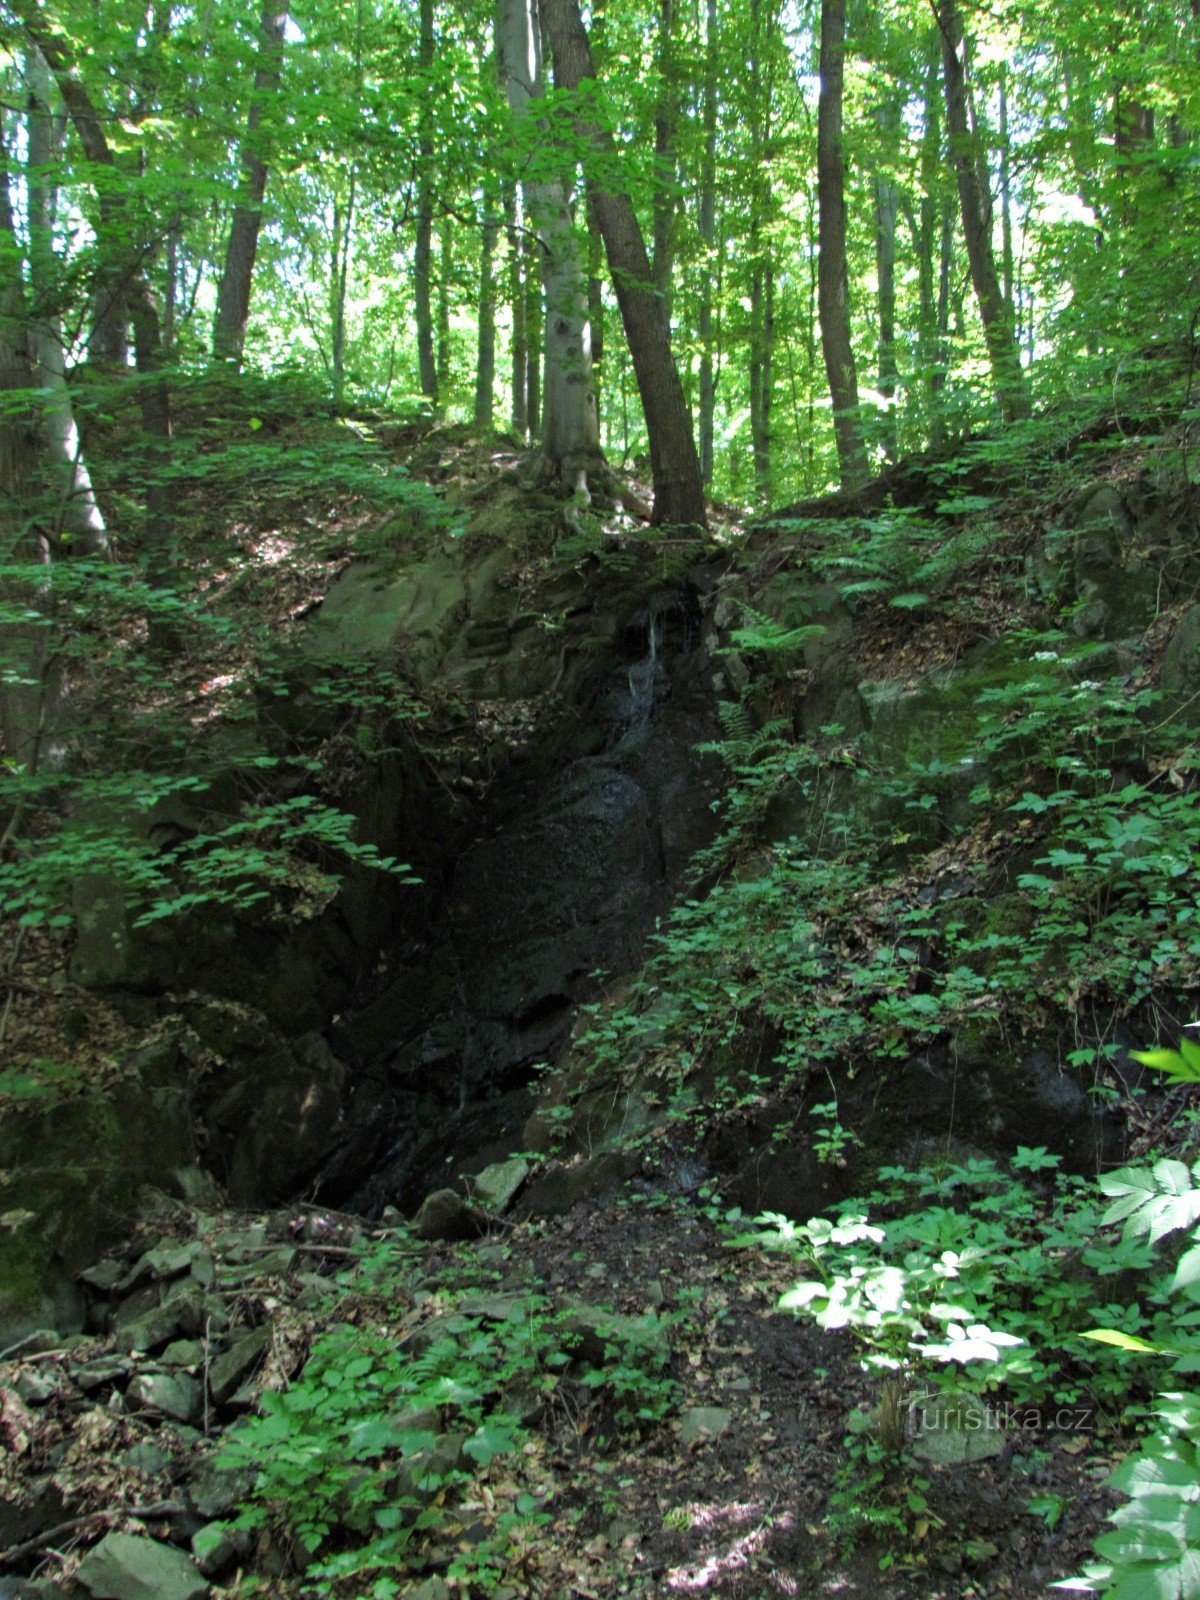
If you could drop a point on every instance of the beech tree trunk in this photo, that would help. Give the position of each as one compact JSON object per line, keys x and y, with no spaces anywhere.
{"x":76,"y":516}
{"x":30,"y":684}
{"x":975,"y":205}
{"x":485,"y":348}
{"x":674,"y":463}
{"x":233,"y":294}
{"x":706,"y":226}
{"x":570,"y":438}
{"x":154,"y":395}
{"x":519,"y":343}
{"x":666,"y":115}
{"x":423,"y":254}
{"x":887,"y":205}
{"x":833,"y":286}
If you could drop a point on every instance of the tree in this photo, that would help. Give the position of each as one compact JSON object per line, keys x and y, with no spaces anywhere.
{"x":976,"y":209}
{"x":570,"y":438}
{"x":233,"y":295}
{"x":833,"y":285}
{"x":674,"y":463}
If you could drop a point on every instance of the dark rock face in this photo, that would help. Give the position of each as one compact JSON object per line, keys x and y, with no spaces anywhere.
{"x":569,"y":863}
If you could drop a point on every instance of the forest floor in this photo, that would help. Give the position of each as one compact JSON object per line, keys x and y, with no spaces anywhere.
{"x":726,"y":1495}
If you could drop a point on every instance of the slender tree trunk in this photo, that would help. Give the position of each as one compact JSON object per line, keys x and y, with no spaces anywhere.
{"x":423,"y":253}
{"x":833,"y":284}
{"x":339,"y":277}
{"x":233,"y":294}
{"x":674,"y":463}
{"x":154,"y":396}
{"x":974,"y":203}
{"x":570,"y":438}
{"x":1006,"y":223}
{"x":762,"y":336}
{"x":485,"y":349}
{"x":595,"y":249}
{"x":887,"y":205}
{"x":76,"y":516}
{"x":519,"y":378}
{"x":706,"y":224}
{"x":31,"y":682}
{"x":444,"y":300}
{"x":666,"y":117}
{"x":535,"y":322}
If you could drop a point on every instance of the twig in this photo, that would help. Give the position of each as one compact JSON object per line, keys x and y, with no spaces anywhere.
{"x":166,"y":1508}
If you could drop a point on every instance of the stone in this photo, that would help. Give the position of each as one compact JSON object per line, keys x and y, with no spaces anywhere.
{"x":1181,"y":660}
{"x":229,"y":1371}
{"x":163,"y":1262}
{"x":216,"y":1547}
{"x":953,"y":1429}
{"x":173,"y":1394}
{"x":104,"y":1276}
{"x":425,"y":1472}
{"x":445,"y":1215}
{"x":494,"y":1307}
{"x":124,"y":1566}
{"x":76,"y":1167}
{"x":597,"y":1335}
{"x":183,"y":1353}
{"x":105,"y":1369}
{"x":36,"y":1385}
{"x":145,"y":1457}
{"x":702,"y":1423}
{"x":279,"y":1119}
{"x":149,"y":1330}
{"x":214,"y":1490}
{"x":497,"y":1186}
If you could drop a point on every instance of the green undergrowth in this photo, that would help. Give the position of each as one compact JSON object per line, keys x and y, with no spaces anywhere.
{"x":425,"y":1398}
{"x":1017,"y":1301}
{"x":1074,"y":831}
{"x":143,"y":679}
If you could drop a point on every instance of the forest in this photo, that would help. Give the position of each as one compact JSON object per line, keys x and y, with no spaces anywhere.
{"x":599,"y":664}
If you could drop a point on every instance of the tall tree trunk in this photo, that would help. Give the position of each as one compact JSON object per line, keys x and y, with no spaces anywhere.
{"x":423,"y":253}
{"x":674,"y":463}
{"x":339,"y":276}
{"x":30,"y":683}
{"x":233,"y":294}
{"x":485,"y":348}
{"x":1006,"y":224}
{"x":833,"y":284}
{"x":535,"y":323}
{"x":887,"y":205}
{"x":706,"y":225}
{"x":519,"y":351}
{"x":444,"y":298}
{"x":762,"y":337}
{"x":974,"y":204}
{"x":76,"y":516}
{"x":595,"y":253}
{"x":570,"y":438}
{"x":154,"y":396}
{"x":666,"y":116}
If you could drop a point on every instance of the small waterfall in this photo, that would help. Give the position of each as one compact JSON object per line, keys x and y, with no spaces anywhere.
{"x":643,"y":675}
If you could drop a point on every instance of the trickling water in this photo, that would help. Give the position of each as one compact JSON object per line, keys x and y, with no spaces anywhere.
{"x":642,"y":676}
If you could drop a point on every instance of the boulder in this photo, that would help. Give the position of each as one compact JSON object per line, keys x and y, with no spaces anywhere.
{"x":229,"y":1371}
{"x":171,"y":1394}
{"x":1181,"y":660}
{"x":497,"y":1186}
{"x":124,"y":1566}
{"x":446,"y":1215}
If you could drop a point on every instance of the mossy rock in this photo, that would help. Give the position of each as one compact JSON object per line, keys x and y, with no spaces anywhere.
{"x":73,"y":1176}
